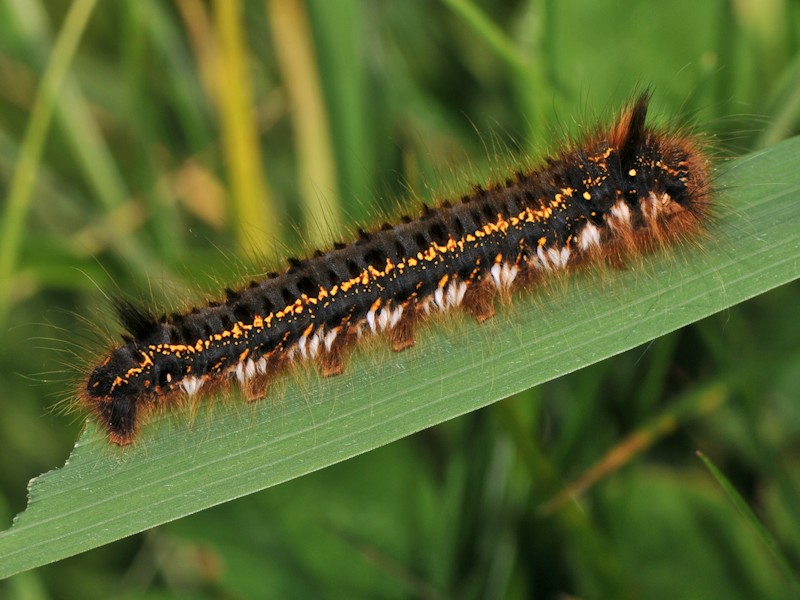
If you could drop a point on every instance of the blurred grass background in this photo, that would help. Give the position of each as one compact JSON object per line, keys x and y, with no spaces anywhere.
{"x":189,"y":137}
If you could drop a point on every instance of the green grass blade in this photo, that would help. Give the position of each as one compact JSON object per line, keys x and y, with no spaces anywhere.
{"x":754,"y":522}
{"x":19,"y":194}
{"x":495,"y":37}
{"x":231,"y":449}
{"x":526,"y":62}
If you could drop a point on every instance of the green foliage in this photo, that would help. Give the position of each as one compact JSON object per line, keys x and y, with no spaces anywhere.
{"x":587,"y":485}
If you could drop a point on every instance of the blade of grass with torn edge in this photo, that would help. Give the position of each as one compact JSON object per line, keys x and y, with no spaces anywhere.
{"x":182,"y":465}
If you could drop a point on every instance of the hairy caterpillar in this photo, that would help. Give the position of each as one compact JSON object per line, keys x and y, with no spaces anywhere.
{"x":628,"y":189}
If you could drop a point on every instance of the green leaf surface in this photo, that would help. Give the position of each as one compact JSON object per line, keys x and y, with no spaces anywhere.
{"x":228,"y":449}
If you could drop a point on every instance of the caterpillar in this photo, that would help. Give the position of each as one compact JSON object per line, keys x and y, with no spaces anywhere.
{"x":626,"y":189}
